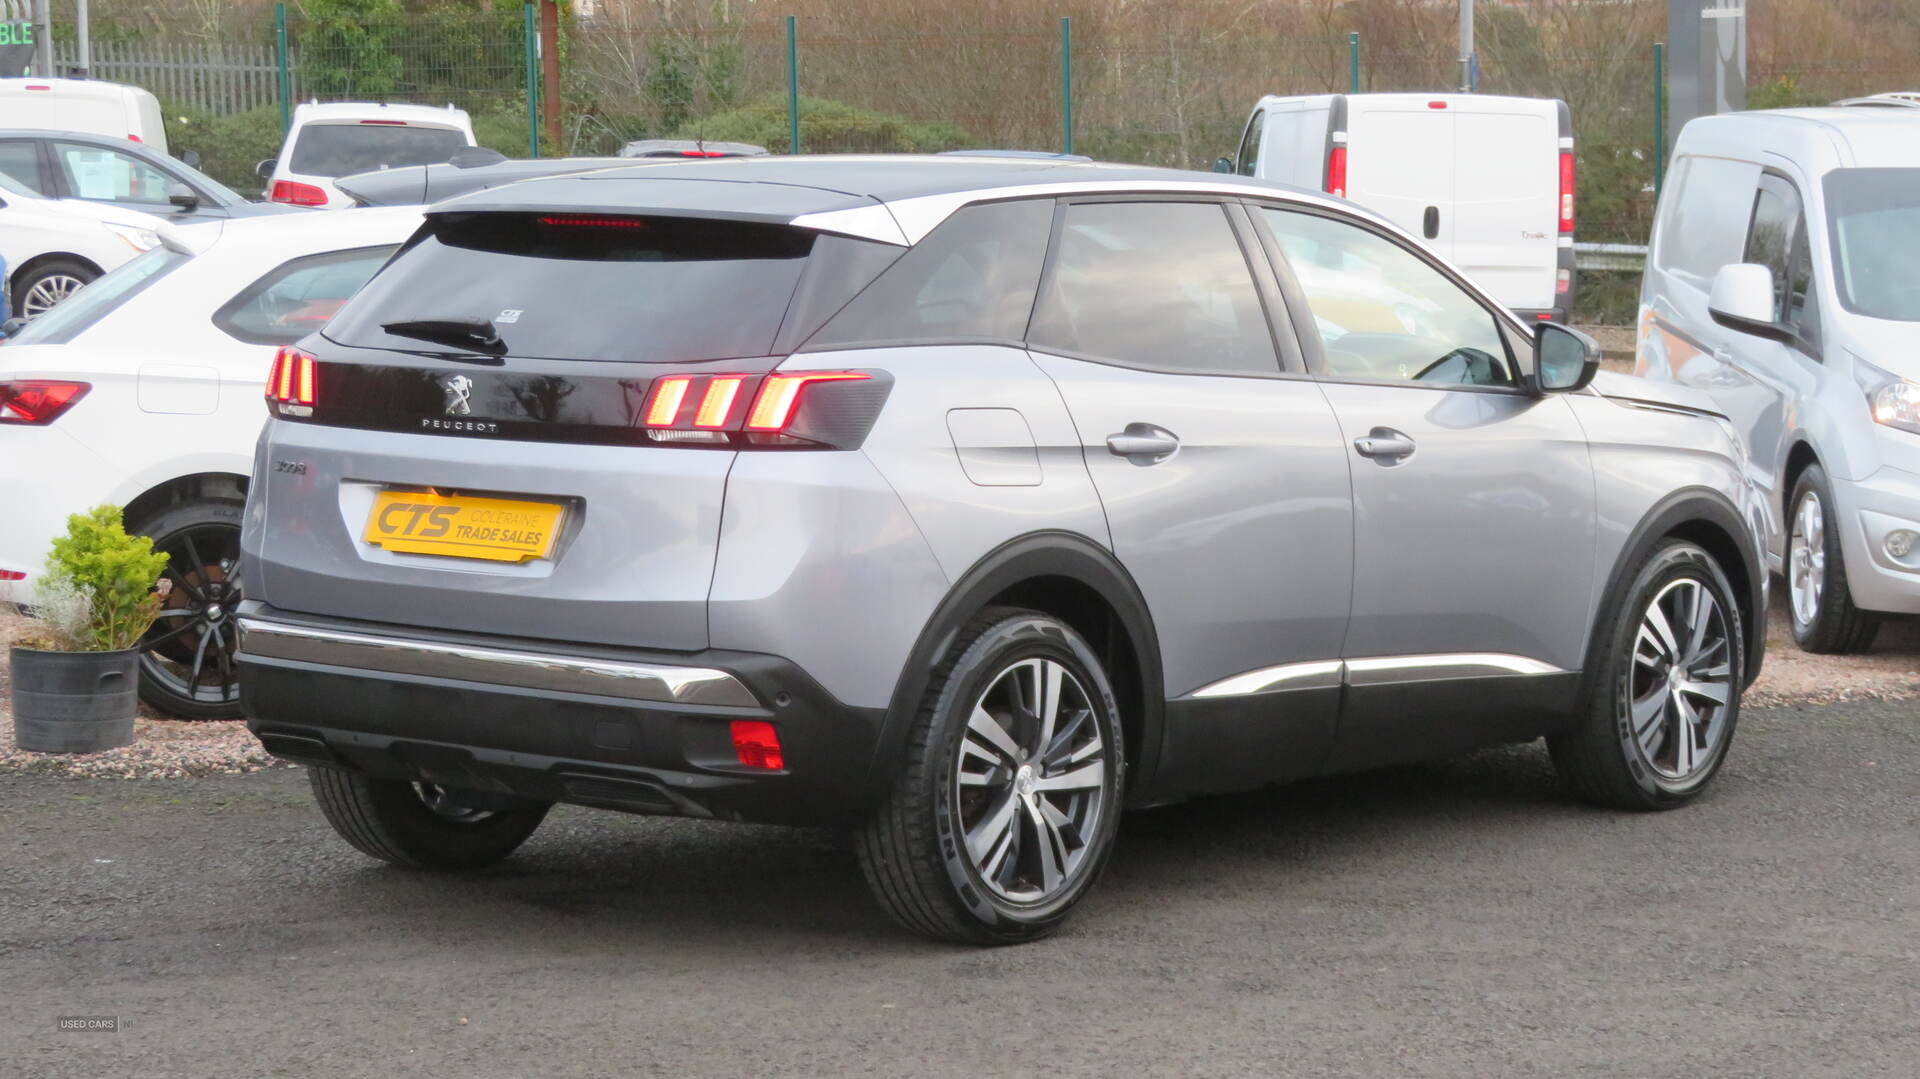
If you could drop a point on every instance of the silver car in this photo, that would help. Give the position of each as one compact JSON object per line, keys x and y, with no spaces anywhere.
{"x":963,"y":503}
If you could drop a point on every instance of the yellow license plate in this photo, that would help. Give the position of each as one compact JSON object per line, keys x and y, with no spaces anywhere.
{"x":463,"y":526}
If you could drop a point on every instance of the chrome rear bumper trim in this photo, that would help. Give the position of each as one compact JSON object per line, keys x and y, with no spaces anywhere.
{"x":493,"y":666}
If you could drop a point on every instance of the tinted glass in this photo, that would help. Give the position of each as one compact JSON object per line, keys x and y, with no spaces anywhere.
{"x":645,"y":289}
{"x":299,"y":296}
{"x":20,"y":162}
{"x":1777,"y":239}
{"x":970,"y":279}
{"x":344,"y":149}
{"x":88,"y":306}
{"x":1873,"y":223}
{"x":1384,"y":312}
{"x":1705,"y":225}
{"x":95,"y":172}
{"x":1154,"y":284}
{"x":1249,"y":157}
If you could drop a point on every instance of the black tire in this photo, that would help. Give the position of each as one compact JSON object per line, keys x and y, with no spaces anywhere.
{"x":177,"y":677}
{"x":1837,"y":626}
{"x":1603,"y":760}
{"x":391,"y":820}
{"x":913,"y":850}
{"x":24,"y":285}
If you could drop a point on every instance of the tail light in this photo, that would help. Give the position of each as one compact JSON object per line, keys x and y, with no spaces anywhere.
{"x":796,"y":410}
{"x":1566,"y":191}
{"x":757,"y":744}
{"x":291,"y":384}
{"x":37,"y":402}
{"x":1563,"y":281}
{"x":12,"y":575}
{"x":1337,"y":172}
{"x":294,"y":193}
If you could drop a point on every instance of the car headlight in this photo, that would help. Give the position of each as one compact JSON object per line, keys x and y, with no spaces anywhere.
{"x":1892,"y":400}
{"x":137,"y":238}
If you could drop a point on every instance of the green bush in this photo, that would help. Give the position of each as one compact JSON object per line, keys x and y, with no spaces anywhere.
{"x":99,"y":583}
{"x":229,"y":146}
{"x":825,"y":127}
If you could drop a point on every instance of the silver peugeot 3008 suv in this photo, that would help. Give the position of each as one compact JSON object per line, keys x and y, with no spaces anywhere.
{"x":963,"y":503}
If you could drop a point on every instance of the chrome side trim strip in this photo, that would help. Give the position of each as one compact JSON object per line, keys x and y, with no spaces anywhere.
{"x":494,"y":666}
{"x":1375,"y":671}
{"x":1317,"y":674}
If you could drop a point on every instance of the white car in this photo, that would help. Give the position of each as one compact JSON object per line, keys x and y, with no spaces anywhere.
{"x":146,"y":391}
{"x":52,"y":247}
{"x":342,"y":138}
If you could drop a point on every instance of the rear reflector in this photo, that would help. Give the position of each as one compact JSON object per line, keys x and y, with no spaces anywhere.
{"x":35,"y":402}
{"x":291,"y":383}
{"x":757,"y":744}
{"x":294,"y":193}
{"x":1566,"y":191}
{"x":1337,"y":172}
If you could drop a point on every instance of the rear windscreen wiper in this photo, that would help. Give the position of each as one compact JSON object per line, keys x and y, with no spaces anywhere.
{"x":472,"y":334}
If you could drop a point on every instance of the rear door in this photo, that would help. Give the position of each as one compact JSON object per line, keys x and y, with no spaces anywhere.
{"x":1503,"y":228}
{"x":1221,"y":471}
{"x":1400,"y":163}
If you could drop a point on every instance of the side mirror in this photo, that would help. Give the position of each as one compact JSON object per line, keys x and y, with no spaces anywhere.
{"x":1223,"y":164}
{"x":190,"y":158}
{"x":1742,"y":300}
{"x":265,"y":168}
{"x":184,"y":197}
{"x":1564,"y":359}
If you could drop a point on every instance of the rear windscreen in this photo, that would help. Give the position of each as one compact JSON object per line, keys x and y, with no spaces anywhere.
{"x":343,"y":149}
{"x":575,"y":286}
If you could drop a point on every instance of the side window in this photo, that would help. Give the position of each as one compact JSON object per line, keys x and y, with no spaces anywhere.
{"x":298,"y":296}
{"x":1777,"y":239}
{"x":1383,"y":312}
{"x":1249,"y":156}
{"x":970,"y":279}
{"x":96,"y":173}
{"x":20,"y":161}
{"x":1708,"y":220}
{"x":1154,"y":284}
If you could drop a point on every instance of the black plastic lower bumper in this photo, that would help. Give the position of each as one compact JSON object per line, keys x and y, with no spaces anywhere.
{"x":584,"y":748}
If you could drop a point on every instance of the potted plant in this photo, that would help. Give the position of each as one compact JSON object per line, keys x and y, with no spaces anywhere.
{"x":75,"y":678}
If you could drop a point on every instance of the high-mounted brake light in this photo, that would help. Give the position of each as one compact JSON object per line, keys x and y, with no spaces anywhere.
{"x":773,"y":409}
{"x":757,"y":743}
{"x":291,"y":385}
{"x":386,"y":123}
{"x":295,"y":193}
{"x":1566,"y":191}
{"x":1337,"y":172}
{"x":1436,"y":104}
{"x":134,"y":137}
{"x":703,"y":153}
{"x":593,"y":221}
{"x":36,"y":402}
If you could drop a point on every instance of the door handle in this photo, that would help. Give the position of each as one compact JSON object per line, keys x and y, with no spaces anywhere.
{"x":1385,"y":445}
{"x":1430,"y":222}
{"x":1143,"y":444}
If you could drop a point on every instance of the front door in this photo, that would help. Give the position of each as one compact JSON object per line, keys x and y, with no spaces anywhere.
{"x":1473,"y":501}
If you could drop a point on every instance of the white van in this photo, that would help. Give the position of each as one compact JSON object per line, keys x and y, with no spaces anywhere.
{"x":1487,"y":181}
{"x":346,"y":137}
{"x":1783,"y":278}
{"x":95,"y":108}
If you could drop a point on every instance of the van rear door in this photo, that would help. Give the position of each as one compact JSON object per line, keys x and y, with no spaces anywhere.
{"x":1504,"y":231}
{"x":1400,"y":162}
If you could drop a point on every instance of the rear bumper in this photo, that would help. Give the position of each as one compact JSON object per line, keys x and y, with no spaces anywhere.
{"x":611,"y":728}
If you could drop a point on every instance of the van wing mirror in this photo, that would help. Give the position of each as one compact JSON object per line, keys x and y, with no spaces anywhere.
{"x":265,"y":168}
{"x":1742,"y":300}
{"x":190,"y":158}
{"x":1223,"y":164}
{"x":1564,"y":359}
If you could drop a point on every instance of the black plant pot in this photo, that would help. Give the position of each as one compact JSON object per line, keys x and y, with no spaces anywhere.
{"x":74,"y":702}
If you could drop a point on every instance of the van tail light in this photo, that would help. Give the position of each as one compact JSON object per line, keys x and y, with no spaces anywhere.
{"x":292,"y":384}
{"x":796,"y":410}
{"x":1563,"y":281}
{"x":1566,"y":191}
{"x":294,"y":193}
{"x":36,"y":402}
{"x":1337,"y":172}
{"x":757,"y":744}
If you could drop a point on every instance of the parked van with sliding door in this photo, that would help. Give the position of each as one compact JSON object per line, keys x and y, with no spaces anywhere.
{"x":95,"y":108}
{"x":1486,"y":181}
{"x":1784,"y":279}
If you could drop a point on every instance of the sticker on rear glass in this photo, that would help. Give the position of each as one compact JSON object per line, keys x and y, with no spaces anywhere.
{"x":511,"y":314}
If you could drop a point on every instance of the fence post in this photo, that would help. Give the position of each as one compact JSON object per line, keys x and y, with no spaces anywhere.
{"x":280,"y":62}
{"x":1659,"y":117}
{"x":793,"y":85}
{"x":1066,"y":85}
{"x":533,"y":83}
{"x":1353,"y":61}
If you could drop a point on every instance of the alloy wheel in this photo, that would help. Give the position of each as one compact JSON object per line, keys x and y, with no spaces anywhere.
{"x":1682,"y":680}
{"x":47,"y":292}
{"x":189,"y":651}
{"x":1030,"y":781}
{"x":1807,"y":559}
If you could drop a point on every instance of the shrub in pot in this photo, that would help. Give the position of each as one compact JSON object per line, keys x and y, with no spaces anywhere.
{"x":75,"y":676}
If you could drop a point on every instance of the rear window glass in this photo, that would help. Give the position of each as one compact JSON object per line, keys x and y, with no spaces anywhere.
{"x":589,"y":286}
{"x":298,"y":296}
{"x":344,"y":149}
{"x":99,"y":299}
